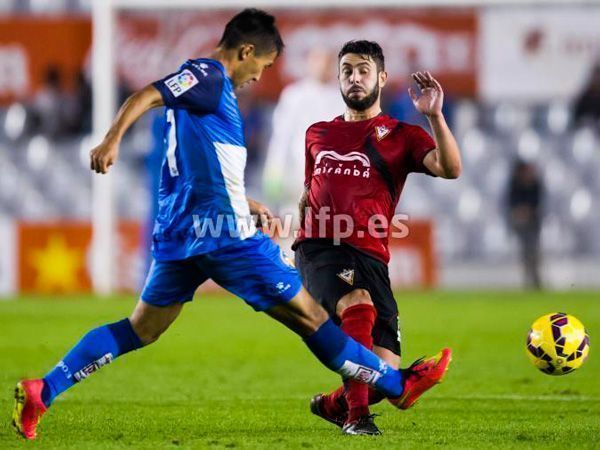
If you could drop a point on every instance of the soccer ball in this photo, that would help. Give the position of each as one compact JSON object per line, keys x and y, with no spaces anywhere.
{"x":557,"y":344}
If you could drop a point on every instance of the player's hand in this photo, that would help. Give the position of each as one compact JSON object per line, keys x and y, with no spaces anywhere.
{"x":104,"y":156}
{"x":265,"y":218}
{"x":264,"y":214}
{"x":431,"y":97}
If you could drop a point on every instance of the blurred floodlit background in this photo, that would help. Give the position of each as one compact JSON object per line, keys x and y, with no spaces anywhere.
{"x":522,"y":89}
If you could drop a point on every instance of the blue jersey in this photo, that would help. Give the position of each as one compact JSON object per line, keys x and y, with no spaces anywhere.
{"x":202,"y":198}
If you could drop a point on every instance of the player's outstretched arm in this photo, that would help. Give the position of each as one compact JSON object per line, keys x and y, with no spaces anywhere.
{"x":104,"y":155}
{"x":445,"y":160}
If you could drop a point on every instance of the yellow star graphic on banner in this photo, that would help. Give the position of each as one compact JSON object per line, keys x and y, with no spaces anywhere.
{"x":57,"y":265}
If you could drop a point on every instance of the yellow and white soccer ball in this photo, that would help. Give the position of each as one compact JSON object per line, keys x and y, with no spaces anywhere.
{"x":557,"y":344}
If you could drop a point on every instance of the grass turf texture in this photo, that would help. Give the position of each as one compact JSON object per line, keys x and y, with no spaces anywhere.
{"x":226,"y":377}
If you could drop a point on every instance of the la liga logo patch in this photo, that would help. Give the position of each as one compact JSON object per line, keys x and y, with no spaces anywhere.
{"x":181,"y":82}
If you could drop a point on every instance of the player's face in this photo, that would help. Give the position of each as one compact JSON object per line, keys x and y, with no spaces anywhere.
{"x":252,"y":66}
{"x":360,"y":81}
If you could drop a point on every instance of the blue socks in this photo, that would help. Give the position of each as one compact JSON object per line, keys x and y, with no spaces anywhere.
{"x":329,"y":343}
{"x":342,"y":354}
{"x":97,"y":348}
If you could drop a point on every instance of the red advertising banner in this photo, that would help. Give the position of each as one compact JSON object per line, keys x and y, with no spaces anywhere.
{"x":53,"y":258}
{"x":30,"y":45}
{"x":413,"y":263}
{"x":152,"y":44}
{"x":149,"y":45}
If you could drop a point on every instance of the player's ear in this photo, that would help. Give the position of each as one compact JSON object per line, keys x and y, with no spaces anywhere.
{"x":382,"y":78}
{"x":245,"y":51}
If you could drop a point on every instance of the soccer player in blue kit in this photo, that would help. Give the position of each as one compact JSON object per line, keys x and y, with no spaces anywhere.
{"x":205,"y":229}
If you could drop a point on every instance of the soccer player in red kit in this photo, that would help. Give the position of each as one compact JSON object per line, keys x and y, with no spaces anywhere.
{"x":356,"y":167}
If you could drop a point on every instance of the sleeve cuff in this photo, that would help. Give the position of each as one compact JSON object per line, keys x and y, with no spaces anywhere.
{"x":164,"y":92}
{"x":421,"y":163}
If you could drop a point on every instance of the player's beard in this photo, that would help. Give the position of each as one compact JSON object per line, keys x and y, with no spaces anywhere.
{"x":363,"y":103}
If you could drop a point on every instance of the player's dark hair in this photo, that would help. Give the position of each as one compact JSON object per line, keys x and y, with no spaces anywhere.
{"x":252,"y":26}
{"x":365,"y":48}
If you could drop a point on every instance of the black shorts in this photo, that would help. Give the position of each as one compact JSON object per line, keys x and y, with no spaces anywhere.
{"x":331,"y":271}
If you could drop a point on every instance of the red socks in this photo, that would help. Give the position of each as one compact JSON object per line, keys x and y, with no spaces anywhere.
{"x":336,"y":405}
{"x":357,"y":322}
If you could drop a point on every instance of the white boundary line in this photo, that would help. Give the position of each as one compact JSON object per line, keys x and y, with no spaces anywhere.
{"x":475,"y":397}
{"x":519,"y":397}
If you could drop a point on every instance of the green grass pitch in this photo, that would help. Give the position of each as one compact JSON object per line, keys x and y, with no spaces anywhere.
{"x":226,"y":377}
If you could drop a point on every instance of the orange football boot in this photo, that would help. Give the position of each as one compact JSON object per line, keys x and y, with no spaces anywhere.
{"x":421,"y":376}
{"x":29,"y":407}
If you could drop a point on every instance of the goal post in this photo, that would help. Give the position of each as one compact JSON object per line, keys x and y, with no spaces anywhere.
{"x":103,"y":110}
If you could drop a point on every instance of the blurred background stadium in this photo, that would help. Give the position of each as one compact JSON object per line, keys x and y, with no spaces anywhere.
{"x":522,"y":81}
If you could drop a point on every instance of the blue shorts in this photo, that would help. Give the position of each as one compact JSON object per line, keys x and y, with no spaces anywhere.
{"x":253,"y":269}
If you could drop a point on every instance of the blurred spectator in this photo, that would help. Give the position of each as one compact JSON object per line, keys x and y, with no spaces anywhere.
{"x":256,"y":114}
{"x":587,"y":106}
{"x":47,"y":106}
{"x":80,"y":115}
{"x":525,"y":196}
{"x":302,"y":103}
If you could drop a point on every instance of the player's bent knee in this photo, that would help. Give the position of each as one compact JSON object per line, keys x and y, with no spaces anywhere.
{"x":356,"y":297}
{"x":317,"y":316}
{"x":150,"y":322}
{"x":146,"y":332}
{"x":311,"y":322}
{"x":302,"y":314}
{"x":310,"y":317}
